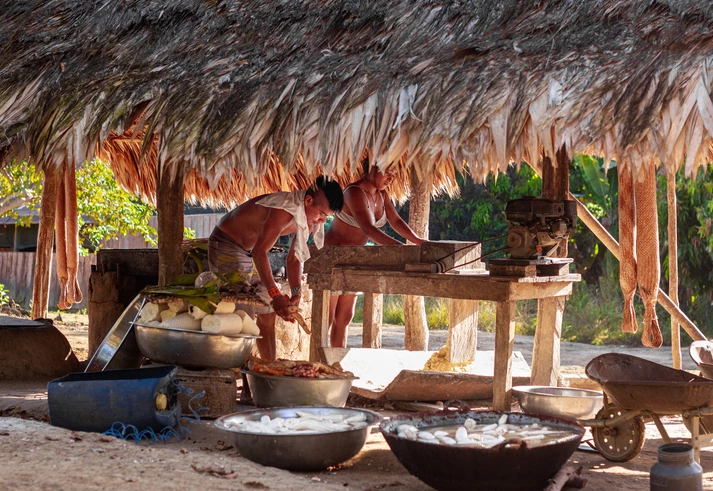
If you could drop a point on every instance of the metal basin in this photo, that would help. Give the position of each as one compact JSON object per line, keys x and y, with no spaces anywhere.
{"x":196,"y":349}
{"x":282,"y":391}
{"x":469,"y":468}
{"x":306,"y":452}
{"x":559,"y":401}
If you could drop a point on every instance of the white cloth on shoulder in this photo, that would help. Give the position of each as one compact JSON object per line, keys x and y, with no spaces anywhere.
{"x":294,"y":204}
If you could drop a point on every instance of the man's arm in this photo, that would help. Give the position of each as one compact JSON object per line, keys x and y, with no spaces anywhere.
{"x":275,"y":223}
{"x":294,"y":275}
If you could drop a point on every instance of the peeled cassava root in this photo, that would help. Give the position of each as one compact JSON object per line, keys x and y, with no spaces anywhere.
{"x":183,"y":321}
{"x":152,"y":312}
{"x":222,"y":324}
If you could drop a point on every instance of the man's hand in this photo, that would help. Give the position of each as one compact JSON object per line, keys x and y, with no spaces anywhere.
{"x":295,"y":300}
{"x":281,"y":305}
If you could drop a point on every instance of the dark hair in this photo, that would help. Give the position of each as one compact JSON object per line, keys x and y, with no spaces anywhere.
{"x":365,"y":167}
{"x":332,"y":191}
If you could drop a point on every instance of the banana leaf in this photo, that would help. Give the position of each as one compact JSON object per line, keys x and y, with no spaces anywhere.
{"x":182,"y":291}
{"x":185,"y":280}
{"x":206,"y":303}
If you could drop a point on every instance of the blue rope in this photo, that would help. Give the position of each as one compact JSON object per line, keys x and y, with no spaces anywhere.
{"x":128,"y":431}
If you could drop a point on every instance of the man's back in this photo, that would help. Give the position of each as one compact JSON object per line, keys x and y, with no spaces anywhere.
{"x":244,"y":223}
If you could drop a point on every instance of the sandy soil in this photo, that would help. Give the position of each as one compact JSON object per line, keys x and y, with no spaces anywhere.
{"x":206,"y":460}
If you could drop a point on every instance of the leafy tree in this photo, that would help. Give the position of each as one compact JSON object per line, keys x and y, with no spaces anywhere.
{"x":106,"y":211}
{"x":20,"y":185}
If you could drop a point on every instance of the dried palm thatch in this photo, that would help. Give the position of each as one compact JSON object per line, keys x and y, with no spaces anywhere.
{"x":229,"y":89}
{"x":136,"y":171}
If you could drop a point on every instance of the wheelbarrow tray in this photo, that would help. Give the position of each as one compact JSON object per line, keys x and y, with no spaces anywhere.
{"x":637,"y":384}
{"x":702,"y":354}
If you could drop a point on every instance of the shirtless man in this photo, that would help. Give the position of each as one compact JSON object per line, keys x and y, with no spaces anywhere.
{"x":367,"y":208}
{"x":245,"y":235}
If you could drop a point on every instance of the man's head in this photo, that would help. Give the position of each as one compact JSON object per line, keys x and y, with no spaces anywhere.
{"x":323,"y":198}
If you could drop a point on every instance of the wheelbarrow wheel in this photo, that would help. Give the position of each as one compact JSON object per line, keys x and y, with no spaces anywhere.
{"x":622,"y":442}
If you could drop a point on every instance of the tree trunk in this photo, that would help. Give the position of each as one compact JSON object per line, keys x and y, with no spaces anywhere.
{"x":45,"y":242}
{"x":416,"y":338}
{"x":169,"y":207}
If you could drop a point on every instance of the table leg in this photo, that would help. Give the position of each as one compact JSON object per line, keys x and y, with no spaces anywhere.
{"x":504,"y":340}
{"x":462,"y":330}
{"x":373,"y":312}
{"x":546,"y":352}
{"x":319,"y":322}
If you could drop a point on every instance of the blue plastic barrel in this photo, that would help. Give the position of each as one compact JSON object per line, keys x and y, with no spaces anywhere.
{"x":94,"y":401}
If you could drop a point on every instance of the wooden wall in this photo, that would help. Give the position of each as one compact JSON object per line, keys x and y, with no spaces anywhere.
{"x":17,"y":269}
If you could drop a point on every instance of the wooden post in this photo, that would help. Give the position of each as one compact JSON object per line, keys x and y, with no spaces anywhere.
{"x":462,"y":331}
{"x":547,"y":342}
{"x":45,"y":242}
{"x":673,"y":265}
{"x":416,"y":337}
{"x":546,"y":351}
{"x":373,"y":310}
{"x":169,"y":208}
{"x":320,"y":323}
{"x":504,"y":341}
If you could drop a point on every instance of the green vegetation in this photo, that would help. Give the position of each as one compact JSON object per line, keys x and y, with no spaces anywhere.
{"x":106,"y":211}
{"x":594,"y":310}
{"x":4,"y":295}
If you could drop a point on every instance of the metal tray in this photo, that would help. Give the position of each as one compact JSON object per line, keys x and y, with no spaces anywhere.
{"x":119,"y":348}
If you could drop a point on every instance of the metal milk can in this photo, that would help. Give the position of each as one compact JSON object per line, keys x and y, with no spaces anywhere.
{"x":676,"y":470}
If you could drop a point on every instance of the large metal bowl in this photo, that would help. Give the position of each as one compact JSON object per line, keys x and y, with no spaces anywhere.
{"x":305,"y":452}
{"x":282,"y":391}
{"x":470,"y":468}
{"x":195,"y":349}
{"x":559,"y":401}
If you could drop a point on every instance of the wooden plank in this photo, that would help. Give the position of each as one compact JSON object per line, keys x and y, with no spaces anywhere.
{"x":383,"y":257}
{"x":320,"y":323}
{"x":452,"y":254}
{"x":462,"y":330}
{"x":464,"y":286}
{"x":504,"y":341}
{"x":546,"y":352}
{"x":509,"y":270}
{"x":397,"y":375}
{"x":373,"y":311}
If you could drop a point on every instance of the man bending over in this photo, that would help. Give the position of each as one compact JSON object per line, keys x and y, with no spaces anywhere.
{"x":245,"y":235}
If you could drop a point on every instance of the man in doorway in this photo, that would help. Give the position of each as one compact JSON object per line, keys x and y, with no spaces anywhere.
{"x":245,"y":235}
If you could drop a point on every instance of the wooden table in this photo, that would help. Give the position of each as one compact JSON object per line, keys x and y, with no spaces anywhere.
{"x":467,"y":285}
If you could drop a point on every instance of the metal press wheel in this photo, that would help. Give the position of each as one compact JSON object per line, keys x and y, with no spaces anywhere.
{"x":622,"y":442}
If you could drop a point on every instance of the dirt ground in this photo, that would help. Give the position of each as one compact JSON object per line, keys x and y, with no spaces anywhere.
{"x":38,"y":456}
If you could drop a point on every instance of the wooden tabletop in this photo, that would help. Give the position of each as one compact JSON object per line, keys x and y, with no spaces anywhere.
{"x":468,"y":284}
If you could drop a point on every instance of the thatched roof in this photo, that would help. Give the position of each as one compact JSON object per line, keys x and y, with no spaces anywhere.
{"x":231,"y":86}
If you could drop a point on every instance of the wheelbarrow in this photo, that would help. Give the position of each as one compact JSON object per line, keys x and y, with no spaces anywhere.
{"x":636,"y":389}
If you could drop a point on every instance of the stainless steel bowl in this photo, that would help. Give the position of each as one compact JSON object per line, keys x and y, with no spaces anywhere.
{"x":305,"y":452}
{"x":193,"y":348}
{"x":560,"y":402}
{"x":276,"y":391}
